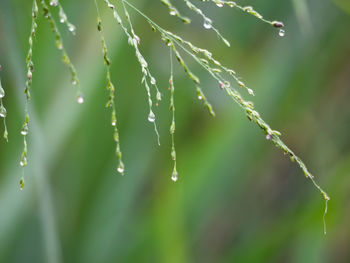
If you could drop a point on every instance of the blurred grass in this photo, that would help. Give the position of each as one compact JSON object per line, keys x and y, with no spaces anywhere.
{"x":237,"y":199}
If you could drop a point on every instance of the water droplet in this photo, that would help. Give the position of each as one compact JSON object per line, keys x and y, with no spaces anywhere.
{"x":281,"y":33}
{"x":62,"y":15}
{"x":25,"y":129}
{"x":172,"y":12}
{"x":268,"y":136}
{"x":71,"y":27}
{"x":3,"y":111}
{"x":151,"y":117}
{"x":80,"y":99}
{"x":2,"y":92}
{"x":207,"y":23}
{"x":23,"y":161}
{"x":250,"y":91}
{"x":121,"y":168}
{"x":153,"y":81}
{"x":54,"y":3}
{"x":114,"y":119}
{"x":200,"y":97}
{"x":21,"y":184}
{"x":174,"y":176}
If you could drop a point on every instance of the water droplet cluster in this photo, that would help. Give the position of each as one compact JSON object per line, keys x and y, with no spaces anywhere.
{"x":111,"y":89}
{"x":147,"y":78}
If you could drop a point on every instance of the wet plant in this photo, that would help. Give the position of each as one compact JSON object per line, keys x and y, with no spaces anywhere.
{"x":3,"y":111}
{"x":227,"y":79}
{"x":30,"y":65}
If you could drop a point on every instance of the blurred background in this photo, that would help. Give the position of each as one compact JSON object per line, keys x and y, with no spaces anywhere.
{"x":238,"y":198}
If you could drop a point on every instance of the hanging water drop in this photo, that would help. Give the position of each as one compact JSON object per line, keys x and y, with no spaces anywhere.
{"x":207,"y":23}
{"x":3,"y":111}
{"x":281,"y":33}
{"x":151,"y":117}
{"x":172,"y":12}
{"x":80,"y":99}
{"x":251,"y":92}
{"x":25,"y":129}
{"x":71,"y":27}
{"x":174,"y":175}
{"x":62,"y":15}
{"x":114,"y":119}
{"x":153,"y":81}
{"x":268,"y":136}
{"x":2,"y":92}
{"x":23,"y":161}
{"x":121,"y":168}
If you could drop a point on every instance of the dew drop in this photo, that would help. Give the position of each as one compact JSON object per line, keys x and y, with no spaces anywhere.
{"x":121,"y":168}
{"x":23,"y":161}
{"x":172,"y":12}
{"x":2,"y":92}
{"x":62,"y":15}
{"x":3,"y":111}
{"x":153,"y":81}
{"x":174,"y":176}
{"x":54,"y":3}
{"x":71,"y":27}
{"x":268,"y":137}
{"x":151,"y":117}
{"x":200,"y":97}
{"x":80,"y":99}
{"x":250,"y":91}
{"x":207,"y":23}
{"x":281,"y":33}
{"x":25,"y":129}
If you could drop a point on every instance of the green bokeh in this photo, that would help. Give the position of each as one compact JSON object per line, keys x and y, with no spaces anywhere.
{"x":238,"y":199}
